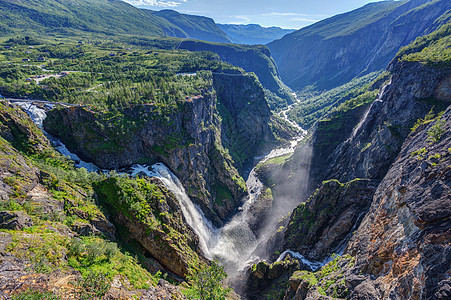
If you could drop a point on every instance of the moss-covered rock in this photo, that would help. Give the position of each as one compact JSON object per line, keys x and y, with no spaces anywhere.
{"x":153,"y":217}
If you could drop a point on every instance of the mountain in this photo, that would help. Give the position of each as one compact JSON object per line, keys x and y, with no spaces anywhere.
{"x":379,"y":177}
{"x":334,"y":51}
{"x":197,"y":27}
{"x":110,"y":17}
{"x":100,"y":16}
{"x":253,"y":34}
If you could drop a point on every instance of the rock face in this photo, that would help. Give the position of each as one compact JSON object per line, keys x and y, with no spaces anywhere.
{"x":14,"y":220}
{"x":401,"y":250}
{"x":403,"y":242}
{"x":205,"y":141}
{"x":332,"y":52}
{"x":322,"y":224}
{"x":395,"y":161}
{"x":157,"y":223}
{"x":268,"y":281}
{"x":376,"y":140}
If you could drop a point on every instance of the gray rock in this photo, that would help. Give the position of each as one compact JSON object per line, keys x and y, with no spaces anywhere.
{"x":16,"y":220}
{"x":84,"y":229}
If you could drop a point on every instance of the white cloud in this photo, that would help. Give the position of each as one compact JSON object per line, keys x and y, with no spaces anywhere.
{"x":282,"y":14}
{"x":303,"y":20}
{"x":155,"y":3}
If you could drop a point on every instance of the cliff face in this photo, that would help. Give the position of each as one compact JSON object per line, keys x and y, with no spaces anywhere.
{"x":332,"y":52}
{"x":255,"y":59}
{"x":403,"y":242}
{"x":392,"y":170}
{"x":375,"y":142}
{"x":321,"y":224}
{"x":401,"y":249}
{"x":205,"y":140}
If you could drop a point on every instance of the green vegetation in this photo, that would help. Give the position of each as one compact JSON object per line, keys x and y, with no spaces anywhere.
{"x":422,"y":121}
{"x":105,"y":75}
{"x":93,"y":286}
{"x":34,"y":295}
{"x":329,"y":280}
{"x":432,"y":49}
{"x":279,"y":160}
{"x":420,"y":153}
{"x":207,"y":283}
{"x":436,"y":131}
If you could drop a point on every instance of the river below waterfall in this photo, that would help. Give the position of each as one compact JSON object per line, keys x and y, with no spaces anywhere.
{"x":234,"y":243}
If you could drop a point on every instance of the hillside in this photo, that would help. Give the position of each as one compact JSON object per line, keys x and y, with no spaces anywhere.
{"x":109,"y":17}
{"x":197,"y":27}
{"x":102,"y":17}
{"x":253,"y":34}
{"x":334,"y":51}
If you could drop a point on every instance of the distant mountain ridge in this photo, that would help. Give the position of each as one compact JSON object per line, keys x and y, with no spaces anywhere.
{"x":111,"y":17}
{"x":253,"y":34}
{"x":333,"y":51}
{"x":114,"y":17}
{"x":198,"y":27}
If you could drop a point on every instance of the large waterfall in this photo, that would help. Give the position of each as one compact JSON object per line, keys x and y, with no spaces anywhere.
{"x":232,"y":244}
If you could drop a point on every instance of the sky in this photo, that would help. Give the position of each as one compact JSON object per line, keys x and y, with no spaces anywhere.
{"x":282,"y":13}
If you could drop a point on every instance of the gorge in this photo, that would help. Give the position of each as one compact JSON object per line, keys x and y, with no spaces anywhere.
{"x":153,"y":166}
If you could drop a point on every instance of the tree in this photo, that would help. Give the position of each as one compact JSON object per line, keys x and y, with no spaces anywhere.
{"x":207,"y":283}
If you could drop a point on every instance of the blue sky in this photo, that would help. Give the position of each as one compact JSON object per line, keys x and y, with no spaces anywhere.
{"x":283,"y":13}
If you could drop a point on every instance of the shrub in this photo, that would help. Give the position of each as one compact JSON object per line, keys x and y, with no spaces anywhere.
{"x":93,"y":286}
{"x":207,"y":283}
{"x":34,"y":295}
{"x":436,"y":131}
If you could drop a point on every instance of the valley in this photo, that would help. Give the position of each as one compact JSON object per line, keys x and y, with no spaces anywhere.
{"x":158,"y":160}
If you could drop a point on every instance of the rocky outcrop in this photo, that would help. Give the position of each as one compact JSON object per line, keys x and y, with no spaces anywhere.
{"x":14,"y":220}
{"x":268,"y":281}
{"x":403,"y":242}
{"x":401,"y":249}
{"x":155,"y":221}
{"x":321,"y":225}
{"x":205,"y":141}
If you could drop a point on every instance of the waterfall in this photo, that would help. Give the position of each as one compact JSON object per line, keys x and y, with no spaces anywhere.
{"x":379,"y":97}
{"x":192,"y":213}
{"x":232,"y":244}
{"x":36,"y":113}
